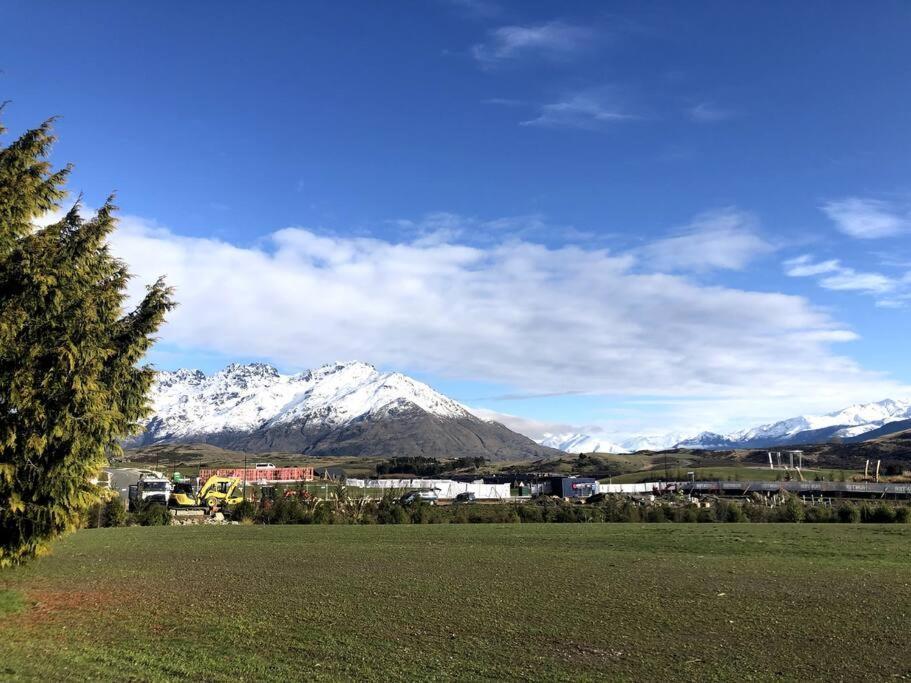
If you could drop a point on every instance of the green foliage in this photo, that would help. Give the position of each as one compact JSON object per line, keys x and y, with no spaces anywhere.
{"x":730,"y":512}
{"x":155,"y":514}
{"x":544,"y":509}
{"x":792,"y":510}
{"x":422,"y":466}
{"x":243,"y":511}
{"x":70,"y":384}
{"x":107,"y":513}
{"x":883,"y":513}
{"x":389,"y":510}
{"x":656,"y":513}
{"x":848,"y":513}
{"x":816,"y":514}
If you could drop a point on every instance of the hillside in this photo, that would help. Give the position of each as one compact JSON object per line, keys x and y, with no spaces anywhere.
{"x":343,"y":409}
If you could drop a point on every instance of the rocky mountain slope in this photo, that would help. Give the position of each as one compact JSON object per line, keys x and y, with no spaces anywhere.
{"x":339,"y":409}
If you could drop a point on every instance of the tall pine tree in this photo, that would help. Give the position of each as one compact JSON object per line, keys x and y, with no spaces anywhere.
{"x":70,"y":381}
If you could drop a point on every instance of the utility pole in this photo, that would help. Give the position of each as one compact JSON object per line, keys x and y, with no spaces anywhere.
{"x":245,"y":476}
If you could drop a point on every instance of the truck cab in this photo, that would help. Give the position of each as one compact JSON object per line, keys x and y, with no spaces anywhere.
{"x":150,"y":489}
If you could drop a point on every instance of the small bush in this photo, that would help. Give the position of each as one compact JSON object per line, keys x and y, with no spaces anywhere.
{"x":155,"y":514}
{"x":656,"y":513}
{"x":530,"y":514}
{"x":848,"y":513}
{"x":106,"y":513}
{"x":114,"y":512}
{"x":688,"y":514}
{"x":818,"y":514}
{"x":878,"y":514}
{"x":243,"y":512}
{"x":756,"y":512}
{"x":792,"y":511}
{"x":706,"y":515}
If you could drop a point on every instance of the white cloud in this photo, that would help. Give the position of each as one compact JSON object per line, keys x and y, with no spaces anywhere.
{"x":589,"y":110}
{"x":706,"y":112}
{"x":848,"y":279}
{"x":803,"y":266}
{"x":551,"y":40}
{"x":515,"y":313}
{"x":534,"y":429}
{"x":726,"y":239}
{"x":841,"y":278}
{"x":868,"y":218}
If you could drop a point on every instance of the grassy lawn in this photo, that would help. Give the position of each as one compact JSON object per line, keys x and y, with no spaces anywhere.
{"x":725,"y":473}
{"x":475,"y":602}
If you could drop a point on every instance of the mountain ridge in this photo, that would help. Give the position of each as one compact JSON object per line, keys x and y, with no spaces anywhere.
{"x":851,"y":424}
{"x":340,"y":408}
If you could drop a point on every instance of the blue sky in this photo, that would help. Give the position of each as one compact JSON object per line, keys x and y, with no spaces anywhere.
{"x":617,"y":216}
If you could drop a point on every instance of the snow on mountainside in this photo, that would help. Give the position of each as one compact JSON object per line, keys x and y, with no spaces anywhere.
{"x":353,"y":407}
{"x":659,"y":442}
{"x":580,"y":443}
{"x":349,"y":409}
{"x":850,"y":422}
{"x":247,"y":397}
{"x":571,"y":442}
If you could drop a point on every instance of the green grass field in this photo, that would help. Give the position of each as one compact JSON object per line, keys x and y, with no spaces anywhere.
{"x":726,"y":473}
{"x":647,"y":602}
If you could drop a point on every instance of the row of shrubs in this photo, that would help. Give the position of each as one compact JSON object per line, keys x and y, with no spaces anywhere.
{"x":389,"y":510}
{"x":112,"y":513}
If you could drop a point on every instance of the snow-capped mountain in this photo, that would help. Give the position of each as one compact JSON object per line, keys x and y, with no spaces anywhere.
{"x":343,"y":408}
{"x":850,"y":423}
{"x":246,"y":397}
{"x":659,"y":442}
{"x":572,"y":442}
{"x":580,"y":443}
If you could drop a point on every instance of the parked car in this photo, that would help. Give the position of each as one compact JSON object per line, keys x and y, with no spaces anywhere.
{"x":465,"y":497}
{"x":412,"y":497}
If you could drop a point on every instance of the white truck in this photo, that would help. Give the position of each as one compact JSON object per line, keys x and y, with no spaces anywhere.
{"x":151,"y":488}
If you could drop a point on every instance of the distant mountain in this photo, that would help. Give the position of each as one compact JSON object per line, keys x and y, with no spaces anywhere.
{"x":580,"y":443}
{"x":854,"y":423}
{"x":340,"y":409}
{"x":858,"y":422}
{"x":659,"y":442}
{"x":887,"y":430}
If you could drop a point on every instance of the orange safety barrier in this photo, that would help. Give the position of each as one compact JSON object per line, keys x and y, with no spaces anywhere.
{"x":255,"y":474}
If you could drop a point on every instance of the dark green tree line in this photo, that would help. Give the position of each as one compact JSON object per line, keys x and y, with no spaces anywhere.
{"x":70,"y":383}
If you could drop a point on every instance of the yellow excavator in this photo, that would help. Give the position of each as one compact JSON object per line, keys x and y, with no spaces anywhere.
{"x":215,"y":492}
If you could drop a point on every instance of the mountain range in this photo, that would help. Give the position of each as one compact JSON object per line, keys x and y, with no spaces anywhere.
{"x":354,"y":409}
{"x":338,"y":409}
{"x":858,"y":422}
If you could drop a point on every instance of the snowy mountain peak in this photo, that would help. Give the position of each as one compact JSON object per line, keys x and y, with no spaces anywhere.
{"x":852,"y":421}
{"x":849,"y":422}
{"x":245,"y":397}
{"x":580,"y":443}
{"x":348,"y":368}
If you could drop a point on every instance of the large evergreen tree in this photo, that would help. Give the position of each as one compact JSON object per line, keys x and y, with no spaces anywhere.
{"x":70,"y":381}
